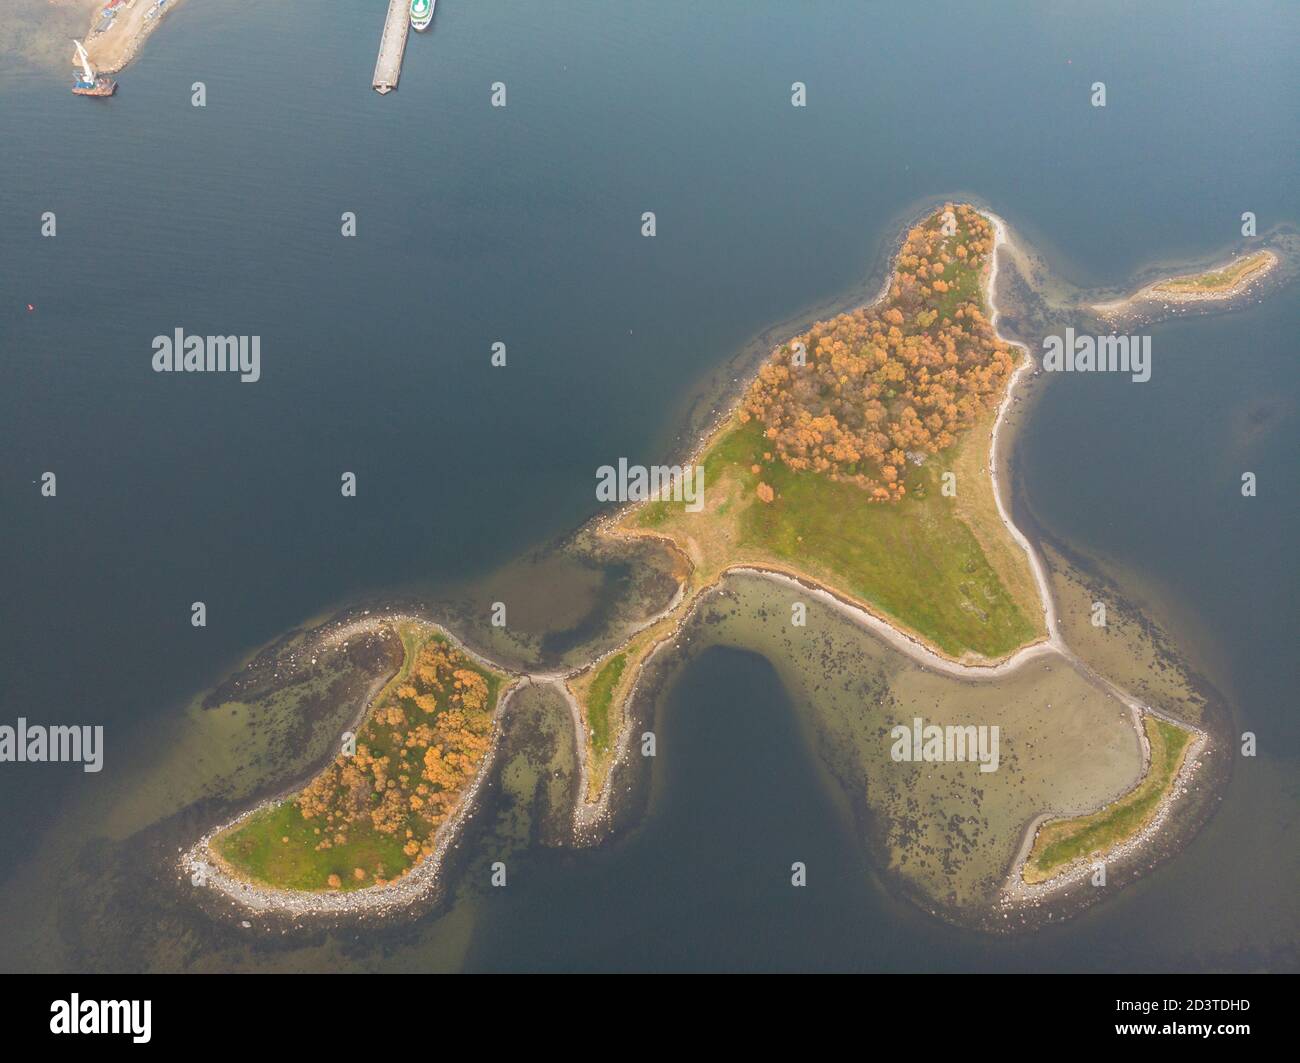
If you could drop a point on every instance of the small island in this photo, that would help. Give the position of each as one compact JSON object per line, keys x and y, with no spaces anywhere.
{"x":859,"y":471}
{"x":1221,"y":285}
{"x":386,"y":802}
{"x":1218,"y":282}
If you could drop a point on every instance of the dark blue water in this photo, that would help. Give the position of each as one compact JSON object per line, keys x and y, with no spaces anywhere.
{"x":522,"y":225}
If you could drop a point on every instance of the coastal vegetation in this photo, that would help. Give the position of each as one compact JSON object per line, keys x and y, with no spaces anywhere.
{"x":1217,"y":286}
{"x":915,"y":561}
{"x":943,"y":831}
{"x":372,"y":814}
{"x":598,"y":699}
{"x":858,"y":458}
{"x":1061,"y":842}
{"x":602,"y":691}
{"x":857,"y":397}
{"x":1217,"y":280}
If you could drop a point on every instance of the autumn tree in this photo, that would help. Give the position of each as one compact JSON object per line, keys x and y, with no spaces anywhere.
{"x":905,"y":376}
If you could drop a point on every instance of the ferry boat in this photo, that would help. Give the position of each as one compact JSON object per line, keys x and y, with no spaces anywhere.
{"x":88,"y":83}
{"x":422,"y":13}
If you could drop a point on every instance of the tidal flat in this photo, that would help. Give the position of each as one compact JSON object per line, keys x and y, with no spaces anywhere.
{"x":563,"y":603}
{"x":271,"y":723}
{"x":946,"y":833}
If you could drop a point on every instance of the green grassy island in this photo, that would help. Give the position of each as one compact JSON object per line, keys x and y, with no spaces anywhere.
{"x":373,"y":814}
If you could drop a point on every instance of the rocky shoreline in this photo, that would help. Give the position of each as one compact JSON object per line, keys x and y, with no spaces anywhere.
{"x":205,"y":868}
{"x":1018,"y":892}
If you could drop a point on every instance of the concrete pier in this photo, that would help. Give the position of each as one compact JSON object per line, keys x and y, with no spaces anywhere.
{"x":392,"y":45}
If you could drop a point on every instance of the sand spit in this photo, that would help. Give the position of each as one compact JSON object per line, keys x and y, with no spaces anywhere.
{"x":591,"y":819}
{"x":1017,"y":893}
{"x":1146,"y":299}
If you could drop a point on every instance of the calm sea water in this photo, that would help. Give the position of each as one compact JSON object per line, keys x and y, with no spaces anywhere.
{"x":522,"y":226}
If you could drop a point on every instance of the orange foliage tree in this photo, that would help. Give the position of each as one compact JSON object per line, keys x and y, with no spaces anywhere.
{"x":905,"y":376}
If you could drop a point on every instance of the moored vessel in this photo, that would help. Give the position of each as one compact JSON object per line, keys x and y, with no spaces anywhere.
{"x":88,"y":83}
{"x":421,"y":13}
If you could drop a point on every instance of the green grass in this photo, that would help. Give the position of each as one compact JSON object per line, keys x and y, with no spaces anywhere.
{"x":599,"y":698}
{"x":1223,"y":278}
{"x":257,"y":851}
{"x":913,"y":559}
{"x":1061,"y":842}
